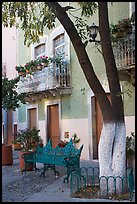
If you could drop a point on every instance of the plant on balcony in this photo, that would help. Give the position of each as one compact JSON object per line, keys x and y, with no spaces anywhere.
{"x":58,"y":59}
{"x":33,"y":66}
{"x":43,"y":60}
{"x":122,"y":28}
{"x":21,"y":70}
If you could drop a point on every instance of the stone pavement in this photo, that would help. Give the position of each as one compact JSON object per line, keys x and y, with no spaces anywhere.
{"x":60,"y":192}
{"x":55,"y":191}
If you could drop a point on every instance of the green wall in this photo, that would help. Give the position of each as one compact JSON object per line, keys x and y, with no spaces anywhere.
{"x":22,"y":113}
{"x":75,"y":105}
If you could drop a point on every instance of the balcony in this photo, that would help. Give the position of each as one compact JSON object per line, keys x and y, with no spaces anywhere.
{"x":50,"y":81}
{"x":124,"y":51}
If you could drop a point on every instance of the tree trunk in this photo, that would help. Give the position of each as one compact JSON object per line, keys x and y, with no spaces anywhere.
{"x":112,"y":156}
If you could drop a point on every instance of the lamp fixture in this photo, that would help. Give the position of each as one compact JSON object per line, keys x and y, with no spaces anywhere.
{"x":93,"y":31}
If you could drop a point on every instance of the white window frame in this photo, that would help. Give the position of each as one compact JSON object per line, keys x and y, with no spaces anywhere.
{"x":131,"y":8}
{"x":55,"y":33}
{"x":43,"y":40}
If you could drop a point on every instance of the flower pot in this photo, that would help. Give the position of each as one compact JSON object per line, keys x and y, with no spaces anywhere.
{"x":119,"y":34}
{"x":22,"y":163}
{"x":46,"y":64}
{"x":7,"y":157}
{"x":17,"y":146}
{"x":39,"y":68}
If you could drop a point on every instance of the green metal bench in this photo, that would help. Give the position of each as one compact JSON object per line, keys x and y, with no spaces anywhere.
{"x":67,"y":156}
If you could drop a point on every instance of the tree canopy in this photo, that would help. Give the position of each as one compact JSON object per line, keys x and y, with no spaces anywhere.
{"x":10,"y":97}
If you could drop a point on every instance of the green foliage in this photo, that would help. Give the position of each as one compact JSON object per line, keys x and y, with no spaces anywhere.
{"x":28,"y":138}
{"x":75,"y":138}
{"x":32,"y":66}
{"x":32,"y":17}
{"x":10,"y":97}
{"x":130,"y":147}
{"x":29,"y":16}
{"x":81,"y":26}
{"x":119,"y":30}
{"x":88,"y":8}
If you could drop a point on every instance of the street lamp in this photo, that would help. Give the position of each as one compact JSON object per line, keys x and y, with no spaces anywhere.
{"x":93,"y":31}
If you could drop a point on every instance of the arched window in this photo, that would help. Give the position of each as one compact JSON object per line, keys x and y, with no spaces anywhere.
{"x":39,"y":50}
{"x":59,"y":45}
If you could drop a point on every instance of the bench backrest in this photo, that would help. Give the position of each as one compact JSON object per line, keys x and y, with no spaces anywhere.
{"x":48,"y":153}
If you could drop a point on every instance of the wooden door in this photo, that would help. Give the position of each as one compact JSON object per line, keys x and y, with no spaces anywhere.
{"x":32,"y":118}
{"x":97,"y":124}
{"x":53,"y":124}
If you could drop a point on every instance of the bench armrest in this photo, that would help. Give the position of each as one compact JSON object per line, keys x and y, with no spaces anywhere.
{"x":28,"y":155}
{"x":72,"y":161}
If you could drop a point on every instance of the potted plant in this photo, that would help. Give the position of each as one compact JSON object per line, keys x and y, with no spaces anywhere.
{"x":62,"y":143}
{"x":21,"y":70}
{"x":16,"y":144}
{"x":33,"y":66}
{"x":29,"y":140}
{"x":75,"y":139}
{"x":130,"y":149}
{"x":45,"y":60}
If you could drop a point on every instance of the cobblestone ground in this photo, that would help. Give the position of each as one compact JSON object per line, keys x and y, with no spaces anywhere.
{"x":17,"y":187}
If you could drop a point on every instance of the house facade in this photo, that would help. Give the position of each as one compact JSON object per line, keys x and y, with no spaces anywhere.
{"x":9,"y":61}
{"x":59,"y":99}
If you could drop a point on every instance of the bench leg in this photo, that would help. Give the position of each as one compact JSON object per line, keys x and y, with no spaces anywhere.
{"x":24,"y":170}
{"x":69,"y":170}
{"x":55,"y":171}
{"x":52,"y":167}
{"x":36,"y":169}
{"x":66,"y":179}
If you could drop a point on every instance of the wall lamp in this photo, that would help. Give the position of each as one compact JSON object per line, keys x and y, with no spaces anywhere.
{"x":93,"y":31}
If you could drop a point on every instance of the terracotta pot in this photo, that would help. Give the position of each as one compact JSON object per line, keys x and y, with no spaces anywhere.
{"x":22,"y":163}
{"x":7,"y":157}
{"x":17,"y":146}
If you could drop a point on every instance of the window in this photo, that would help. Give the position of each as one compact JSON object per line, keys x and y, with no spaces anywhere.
{"x":39,"y":50}
{"x":59,"y":45}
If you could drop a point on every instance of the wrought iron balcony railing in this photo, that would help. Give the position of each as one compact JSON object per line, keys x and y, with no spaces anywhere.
{"x":124,"y":51}
{"x":52,"y":77}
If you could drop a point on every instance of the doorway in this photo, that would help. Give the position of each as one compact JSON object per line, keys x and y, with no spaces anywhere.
{"x":32,"y":118}
{"x":53,"y":132}
{"x":97,"y":124}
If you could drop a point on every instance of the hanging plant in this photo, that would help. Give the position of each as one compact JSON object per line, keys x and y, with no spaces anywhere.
{"x":33,"y":66}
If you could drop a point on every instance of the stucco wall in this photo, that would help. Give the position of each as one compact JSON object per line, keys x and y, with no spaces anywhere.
{"x":9,"y":50}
